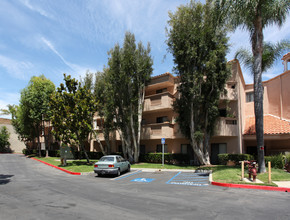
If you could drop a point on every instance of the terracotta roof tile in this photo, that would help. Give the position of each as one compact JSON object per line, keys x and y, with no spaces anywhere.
{"x":5,"y":121}
{"x":272,"y":125}
{"x":285,"y":55}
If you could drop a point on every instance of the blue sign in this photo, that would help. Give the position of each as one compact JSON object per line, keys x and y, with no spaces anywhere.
{"x":162,"y":140}
{"x":142,"y":180}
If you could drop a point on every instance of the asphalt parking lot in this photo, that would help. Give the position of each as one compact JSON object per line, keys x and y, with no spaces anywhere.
{"x":182,"y":178}
{"x":32,"y":190}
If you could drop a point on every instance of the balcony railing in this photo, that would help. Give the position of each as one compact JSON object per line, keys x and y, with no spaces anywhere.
{"x":226,"y":127}
{"x":157,"y":131}
{"x":158,"y":102}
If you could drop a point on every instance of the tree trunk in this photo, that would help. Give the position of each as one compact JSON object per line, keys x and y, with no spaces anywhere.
{"x":38,"y":142}
{"x":124,"y":149}
{"x":107,"y":140}
{"x":140,"y":111}
{"x":197,"y":147}
{"x":83,"y":148}
{"x":128,"y":144}
{"x":99,"y":142}
{"x":135,"y":144}
{"x":257,"y":49}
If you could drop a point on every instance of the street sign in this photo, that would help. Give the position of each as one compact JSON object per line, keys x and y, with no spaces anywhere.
{"x":162,"y":140}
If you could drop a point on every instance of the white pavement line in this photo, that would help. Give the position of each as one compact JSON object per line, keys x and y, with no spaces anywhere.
{"x":127,"y":175}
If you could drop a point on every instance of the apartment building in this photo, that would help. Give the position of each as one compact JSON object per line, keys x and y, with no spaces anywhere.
{"x":235,"y":129}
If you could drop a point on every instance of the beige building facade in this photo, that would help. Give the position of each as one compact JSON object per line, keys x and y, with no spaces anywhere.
{"x":234,"y":132}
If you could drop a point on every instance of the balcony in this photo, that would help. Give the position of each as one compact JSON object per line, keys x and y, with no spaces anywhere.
{"x":231,"y":92}
{"x":157,"y":131}
{"x":158,"y":102}
{"x":226,"y":127}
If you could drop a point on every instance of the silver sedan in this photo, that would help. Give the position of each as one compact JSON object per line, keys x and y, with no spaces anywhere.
{"x":111,"y":164}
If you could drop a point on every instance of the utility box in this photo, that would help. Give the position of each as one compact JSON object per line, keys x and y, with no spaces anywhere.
{"x":66,"y":152}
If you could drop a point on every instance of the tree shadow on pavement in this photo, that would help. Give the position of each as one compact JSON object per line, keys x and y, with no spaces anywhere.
{"x":4,"y":179}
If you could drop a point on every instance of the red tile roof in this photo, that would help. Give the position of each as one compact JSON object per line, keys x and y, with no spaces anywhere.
{"x":272,"y":125}
{"x":286,"y":55}
{"x":5,"y":121}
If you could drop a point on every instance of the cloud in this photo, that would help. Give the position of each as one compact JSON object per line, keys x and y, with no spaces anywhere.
{"x":77,"y":69}
{"x":15,"y":68}
{"x":37,"y":9}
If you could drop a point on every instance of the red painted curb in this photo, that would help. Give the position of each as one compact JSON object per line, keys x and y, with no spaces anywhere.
{"x":67,"y":171}
{"x":271,"y":188}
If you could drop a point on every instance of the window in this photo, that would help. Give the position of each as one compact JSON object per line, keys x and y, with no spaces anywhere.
{"x":159,"y":148}
{"x":95,"y":124}
{"x":223,"y":112}
{"x":249,"y":96}
{"x":142,"y":149}
{"x":118,"y":159}
{"x":120,"y":148}
{"x":217,"y":149}
{"x":231,"y":122}
{"x":184,"y":148}
{"x":162,"y":119}
{"x":161,"y":90}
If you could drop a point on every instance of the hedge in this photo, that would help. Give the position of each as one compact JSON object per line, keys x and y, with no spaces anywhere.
{"x":277,"y":161}
{"x":169,"y":158}
{"x":224,"y":158}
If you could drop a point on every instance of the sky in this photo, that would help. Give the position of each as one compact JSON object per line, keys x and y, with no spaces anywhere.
{"x":53,"y":37}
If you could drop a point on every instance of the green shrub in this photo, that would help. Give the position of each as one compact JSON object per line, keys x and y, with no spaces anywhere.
{"x":224,"y":158}
{"x":4,"y":140}
{"x":169,"y":158}
{"x":157,"y":158}
{"x":277,"y":161}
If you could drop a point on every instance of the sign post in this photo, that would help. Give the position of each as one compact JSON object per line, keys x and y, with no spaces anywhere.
{"x":163,"y":142}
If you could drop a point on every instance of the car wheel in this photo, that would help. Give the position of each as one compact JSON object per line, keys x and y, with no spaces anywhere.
{"x":129,"y":168}
{"x":119,"y":172}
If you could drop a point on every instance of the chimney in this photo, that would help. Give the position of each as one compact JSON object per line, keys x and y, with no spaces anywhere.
{"x":286,"y":59}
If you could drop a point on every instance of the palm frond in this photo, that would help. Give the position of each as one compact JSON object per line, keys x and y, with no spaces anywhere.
{"x":245,"y":57}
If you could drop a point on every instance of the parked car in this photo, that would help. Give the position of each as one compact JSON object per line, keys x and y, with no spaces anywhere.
{"x":112,"y":164}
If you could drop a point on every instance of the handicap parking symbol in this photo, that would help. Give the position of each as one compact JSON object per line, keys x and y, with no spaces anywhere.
{"x":142,"y":180}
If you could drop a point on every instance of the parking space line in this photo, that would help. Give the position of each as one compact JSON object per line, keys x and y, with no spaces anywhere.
{"x":173,"y":177}
{"x":192,"y":179}
{"x":131,"y":174}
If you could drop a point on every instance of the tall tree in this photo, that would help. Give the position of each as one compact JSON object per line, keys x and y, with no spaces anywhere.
{"x":197,"y":39}
{"x":271,"y":53}
{"x":129,"y":69}
{"x":255,"y":16}
{"x":72,"y":107}
{"x":27,"y":117}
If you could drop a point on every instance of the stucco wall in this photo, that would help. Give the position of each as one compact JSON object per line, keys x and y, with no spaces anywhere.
{"x":16,"y":145}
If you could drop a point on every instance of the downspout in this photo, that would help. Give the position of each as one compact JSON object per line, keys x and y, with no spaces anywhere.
{"x":240,"y":123}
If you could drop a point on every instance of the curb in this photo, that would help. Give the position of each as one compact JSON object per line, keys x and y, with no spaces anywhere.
{"x":59,"y":168}
{"x":243,"y":186}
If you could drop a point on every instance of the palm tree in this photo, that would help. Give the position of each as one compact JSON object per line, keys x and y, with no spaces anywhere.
{"x":271,"y":53}
{"x":254,"y":16}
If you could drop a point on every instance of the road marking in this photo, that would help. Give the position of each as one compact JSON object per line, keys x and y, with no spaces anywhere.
{"x":130,"y":174}
{"x":142,"y":180}
{"x":173,"y":177}
{"x":190,"y":179}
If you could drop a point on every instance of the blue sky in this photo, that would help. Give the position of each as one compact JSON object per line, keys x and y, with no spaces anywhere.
{"x":53,"y":37}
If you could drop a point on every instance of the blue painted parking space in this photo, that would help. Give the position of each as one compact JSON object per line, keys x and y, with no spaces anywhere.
{"x":190,"y":179}
{"x":142,"y":180}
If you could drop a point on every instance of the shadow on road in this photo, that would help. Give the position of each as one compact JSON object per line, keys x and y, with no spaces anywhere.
{"x":4,"y":179}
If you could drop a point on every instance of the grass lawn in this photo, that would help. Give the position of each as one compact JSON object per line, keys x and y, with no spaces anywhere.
{"x":220,"y":173}
{"x":74,"y":166}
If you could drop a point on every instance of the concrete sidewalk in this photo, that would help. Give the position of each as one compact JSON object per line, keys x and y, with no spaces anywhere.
{"x":282,"y":183}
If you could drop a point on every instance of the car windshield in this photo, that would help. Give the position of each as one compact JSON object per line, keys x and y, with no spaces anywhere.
{"x":104,"y":159}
